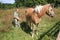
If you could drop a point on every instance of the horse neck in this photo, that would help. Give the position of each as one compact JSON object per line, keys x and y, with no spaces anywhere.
{"x":44,"y":10}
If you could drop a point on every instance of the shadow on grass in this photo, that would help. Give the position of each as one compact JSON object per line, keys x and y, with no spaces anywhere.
{"x":25,"y":27}
{"x":52,"y":31}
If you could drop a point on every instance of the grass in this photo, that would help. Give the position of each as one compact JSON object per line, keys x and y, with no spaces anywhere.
{"x":14,"y":34}
{"x":9,"y":32}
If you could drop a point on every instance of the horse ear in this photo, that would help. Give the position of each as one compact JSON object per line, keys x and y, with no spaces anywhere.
{"x":52,"y":5}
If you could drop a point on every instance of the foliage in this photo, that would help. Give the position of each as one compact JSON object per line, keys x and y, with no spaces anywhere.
{"x":6,"y":6}
{"x":28,"y":3}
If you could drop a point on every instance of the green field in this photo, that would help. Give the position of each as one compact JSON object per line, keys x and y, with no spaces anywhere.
{"x":9,"y":32}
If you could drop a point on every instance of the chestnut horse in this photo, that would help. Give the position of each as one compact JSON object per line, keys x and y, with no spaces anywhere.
{"x":35,"y":18}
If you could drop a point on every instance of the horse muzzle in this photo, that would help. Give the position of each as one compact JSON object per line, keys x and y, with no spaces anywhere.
{"x":52,"y":15}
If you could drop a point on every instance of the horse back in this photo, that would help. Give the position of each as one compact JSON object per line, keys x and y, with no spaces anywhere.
{"x":29,"y":11}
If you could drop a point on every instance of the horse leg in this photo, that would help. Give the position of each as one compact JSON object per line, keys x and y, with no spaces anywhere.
{"x":27,"y":22}
{"x":33,"y":31}
{"x":37,"y":29}
{"x":31,"y":26}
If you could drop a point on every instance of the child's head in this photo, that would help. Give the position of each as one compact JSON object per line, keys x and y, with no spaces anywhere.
{"x":17,"y":9}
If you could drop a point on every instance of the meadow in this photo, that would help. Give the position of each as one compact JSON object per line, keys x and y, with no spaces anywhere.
{"x":9,"y":32}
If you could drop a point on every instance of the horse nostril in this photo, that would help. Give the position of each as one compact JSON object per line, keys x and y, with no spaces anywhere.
{"x":52,"y":15}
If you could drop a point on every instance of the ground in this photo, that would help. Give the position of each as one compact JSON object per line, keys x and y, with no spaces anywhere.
{"x":9,"y":32}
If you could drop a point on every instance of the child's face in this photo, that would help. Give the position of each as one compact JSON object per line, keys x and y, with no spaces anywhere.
{"x":17,"y":10}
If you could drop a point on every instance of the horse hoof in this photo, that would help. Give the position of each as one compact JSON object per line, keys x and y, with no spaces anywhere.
{"x":32,"y":36}
{"x":37,"y":33}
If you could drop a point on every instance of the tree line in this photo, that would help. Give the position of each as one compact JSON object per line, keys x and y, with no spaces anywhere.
{"x":29,"y":3}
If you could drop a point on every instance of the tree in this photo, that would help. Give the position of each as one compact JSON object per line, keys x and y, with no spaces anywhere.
{"x":29,"y":3}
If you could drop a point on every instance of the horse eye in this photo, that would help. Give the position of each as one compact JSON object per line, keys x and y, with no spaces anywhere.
{"x":51,"y":9}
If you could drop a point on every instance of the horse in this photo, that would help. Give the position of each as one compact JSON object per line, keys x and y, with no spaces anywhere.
{"x":35,"y":18}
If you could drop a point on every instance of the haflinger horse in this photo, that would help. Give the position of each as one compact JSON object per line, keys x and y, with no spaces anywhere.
{"x":35,"y":18}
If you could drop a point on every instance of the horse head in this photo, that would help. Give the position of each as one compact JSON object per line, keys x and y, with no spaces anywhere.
{"x":50,"y":11}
